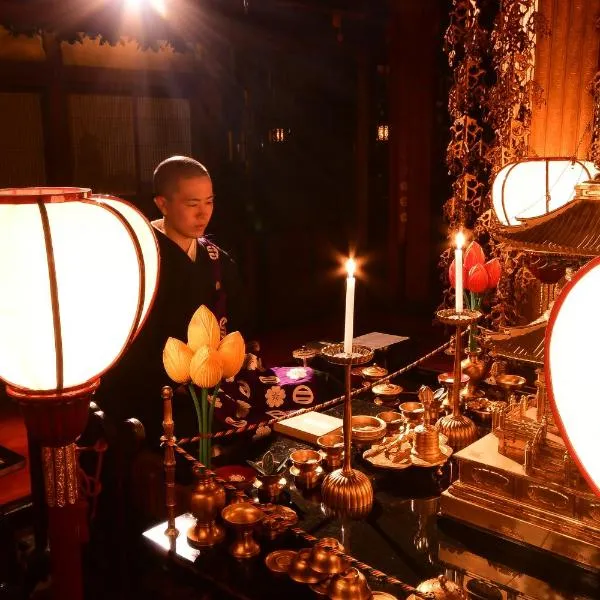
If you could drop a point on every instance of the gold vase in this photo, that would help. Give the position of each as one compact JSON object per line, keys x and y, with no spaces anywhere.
{"x":208,"y":499}
{"x":476,"y":367}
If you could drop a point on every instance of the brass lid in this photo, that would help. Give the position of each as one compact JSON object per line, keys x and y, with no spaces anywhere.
{"x":387,"y":389}
{"x":374,"y":371}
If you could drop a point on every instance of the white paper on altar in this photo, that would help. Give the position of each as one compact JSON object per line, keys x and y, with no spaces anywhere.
{"x":376,"y":340}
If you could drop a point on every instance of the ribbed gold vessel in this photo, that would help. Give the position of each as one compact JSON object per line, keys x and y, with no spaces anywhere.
{"x":349,"y":493}
{"x":459,"y":430}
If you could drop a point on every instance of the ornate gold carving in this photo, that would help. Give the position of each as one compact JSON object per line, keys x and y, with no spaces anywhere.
{"x":491,"y":479}
{"x":548,"y":497}
{"x":60,"y":475}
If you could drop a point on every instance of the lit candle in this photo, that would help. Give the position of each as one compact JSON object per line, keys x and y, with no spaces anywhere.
{"x":349,"y":322}
{"x":458,"y":262}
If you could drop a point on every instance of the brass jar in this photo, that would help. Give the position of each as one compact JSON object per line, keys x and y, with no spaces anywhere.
{"x":208,"y":499}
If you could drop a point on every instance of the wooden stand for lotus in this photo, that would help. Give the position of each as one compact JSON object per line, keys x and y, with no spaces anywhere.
{"x":458,"y":428}
{"x":347,"y":491}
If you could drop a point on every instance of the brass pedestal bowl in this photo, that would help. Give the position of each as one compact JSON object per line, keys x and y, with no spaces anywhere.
{"x":510,"y":384}
{"x":413,"y":412}
{"x":243,"y":517}
{"x":386,"y":393}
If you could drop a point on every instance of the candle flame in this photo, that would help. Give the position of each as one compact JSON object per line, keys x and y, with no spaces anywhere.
{"x":460,"y":239}
{"x":350,"y":267}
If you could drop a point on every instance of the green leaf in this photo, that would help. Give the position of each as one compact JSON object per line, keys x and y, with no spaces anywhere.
{"x":268,"y":463}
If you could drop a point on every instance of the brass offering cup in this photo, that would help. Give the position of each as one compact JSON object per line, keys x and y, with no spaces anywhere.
{"x":332,"y":446}
{"x":306,"y":468}
{"x":270,"y":487}
{"x":367,"y":430}
{"x":413,"y":412}
{"x":349,"y":585}
{"x":243,"y":517}
{"x":300,"y":570}
{"x":323,"y":560}
{"x":393,"y":421}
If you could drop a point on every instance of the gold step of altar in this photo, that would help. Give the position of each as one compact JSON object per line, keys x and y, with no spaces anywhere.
{"x":493,"y":492}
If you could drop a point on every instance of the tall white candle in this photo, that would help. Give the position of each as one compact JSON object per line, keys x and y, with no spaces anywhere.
{"x":458,"y":262}
{"x":349,"y":321}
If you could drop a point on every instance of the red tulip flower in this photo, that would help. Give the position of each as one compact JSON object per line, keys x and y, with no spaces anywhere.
{"x":473,"y":256}
{"x":494,"y":270}
{"x":477,"y":281}
{"x":452,"y":274}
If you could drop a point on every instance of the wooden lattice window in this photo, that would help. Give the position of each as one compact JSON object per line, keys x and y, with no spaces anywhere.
{"x":102,"y":134}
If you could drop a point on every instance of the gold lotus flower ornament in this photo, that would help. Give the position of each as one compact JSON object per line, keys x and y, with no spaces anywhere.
{"x":204,"y":361}
{"x":203,"y":330}
{"x":206,"y":367}
{"x":177,"y":357}
{"x":232,"y":351}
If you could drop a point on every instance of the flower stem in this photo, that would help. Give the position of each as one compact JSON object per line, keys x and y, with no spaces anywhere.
{"x":211,"y":412}
{"x":199,"y":417}
{"x":206,"y":457}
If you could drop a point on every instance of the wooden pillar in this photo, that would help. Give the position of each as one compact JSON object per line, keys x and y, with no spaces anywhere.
{"x":415,"y":39}
{"x":362,"y":147}
{"x":565,"y":64}
{"x":57,"y":138}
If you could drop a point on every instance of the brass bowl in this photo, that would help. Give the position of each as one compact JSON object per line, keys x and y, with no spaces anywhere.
{"x":300,"y":570}
{"x":367,"y":430}
{"x":388,"y":392}
{"x":413,"y":411}
{"x":323,"y":560}
{"x":393,"y":421}
{"x":350,"y":585}
{"x":510,"y":382}
{"x":242,"y":478}
{"x":305,"y":461}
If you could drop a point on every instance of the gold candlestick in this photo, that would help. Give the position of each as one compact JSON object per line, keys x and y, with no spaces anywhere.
{"x":458,"y":428}
{"x":346,"y":490}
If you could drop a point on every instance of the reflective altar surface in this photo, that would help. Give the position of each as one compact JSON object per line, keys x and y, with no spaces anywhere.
{"x":403,"y":536}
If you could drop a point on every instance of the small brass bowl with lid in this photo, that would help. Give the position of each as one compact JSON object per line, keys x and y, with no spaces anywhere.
{"x":323,"y":560}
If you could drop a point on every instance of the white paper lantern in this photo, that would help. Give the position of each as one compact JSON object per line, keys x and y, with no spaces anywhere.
{"x":572,"y":363}
{"x":77,"y":277}
{"x":536,"y":186}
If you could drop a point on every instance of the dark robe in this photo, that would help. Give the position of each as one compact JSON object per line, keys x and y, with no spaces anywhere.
{"x":132,"y":388}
